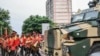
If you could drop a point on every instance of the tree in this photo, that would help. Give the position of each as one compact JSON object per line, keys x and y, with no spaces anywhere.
{"x":4,"y":21}
{"x":34,"y":23}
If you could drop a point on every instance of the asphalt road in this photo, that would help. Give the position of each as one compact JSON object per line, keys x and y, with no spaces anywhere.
{"x":95,"y":54}
{"x":40,"y":51}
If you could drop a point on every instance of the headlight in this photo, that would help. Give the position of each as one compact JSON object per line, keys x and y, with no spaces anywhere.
{"x":65,"y":49}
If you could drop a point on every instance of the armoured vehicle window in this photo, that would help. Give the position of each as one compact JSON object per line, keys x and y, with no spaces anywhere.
{"x":93,"y":23}
{"x":77,"y":18}
{"x":91,"y":15}
{"x":73,"y":28}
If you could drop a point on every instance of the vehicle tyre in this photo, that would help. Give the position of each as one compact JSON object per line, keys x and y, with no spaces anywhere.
{"x":94,"y":49}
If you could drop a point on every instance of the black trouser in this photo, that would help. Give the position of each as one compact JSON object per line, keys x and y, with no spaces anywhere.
{"x":17,"y":51}
{"x":34,"y":53}
{"x":22,"y":51}
{"x":27,"y":51}
{"x":12,"y":53}
{"x":3,"y":51}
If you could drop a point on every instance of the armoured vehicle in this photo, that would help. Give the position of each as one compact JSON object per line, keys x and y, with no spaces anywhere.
{"x":79,"y":38}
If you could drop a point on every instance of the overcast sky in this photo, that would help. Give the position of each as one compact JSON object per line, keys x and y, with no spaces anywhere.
{"x":22,"y":9}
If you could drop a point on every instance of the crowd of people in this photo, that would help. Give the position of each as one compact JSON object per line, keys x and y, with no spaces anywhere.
{"x":24,"y":45}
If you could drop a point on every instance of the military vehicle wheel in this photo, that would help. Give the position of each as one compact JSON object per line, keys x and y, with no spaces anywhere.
{"x":95,"y":50}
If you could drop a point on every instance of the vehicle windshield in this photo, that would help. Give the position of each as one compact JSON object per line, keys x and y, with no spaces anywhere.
{"x":91,"y":15}
{"x":73,"y":28}
{"x":77,"y":18}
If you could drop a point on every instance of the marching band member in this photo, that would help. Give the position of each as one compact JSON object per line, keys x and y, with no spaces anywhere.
{"x":22,"y":44}
{"x":36,"y":42}
{"x":17,"y":44}
{"x":34,"y":47}
{"x":12,"y":46}
{"x":28,"y":44}
{"x":4,"y":45}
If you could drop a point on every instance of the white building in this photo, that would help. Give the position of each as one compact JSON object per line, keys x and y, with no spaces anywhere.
{"x":59,"y":11}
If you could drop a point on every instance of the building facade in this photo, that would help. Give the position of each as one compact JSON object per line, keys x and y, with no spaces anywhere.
{"x":59,"y":11}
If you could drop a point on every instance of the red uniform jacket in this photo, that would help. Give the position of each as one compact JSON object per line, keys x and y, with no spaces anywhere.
{"x":17,"y":41}
{"x":23,"y":41}
{"x":28,"y":42}
{"x":12,"y":44}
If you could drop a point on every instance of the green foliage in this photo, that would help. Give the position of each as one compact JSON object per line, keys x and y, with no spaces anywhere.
{"x":4,"y":20}
{"x":34,"y":23}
